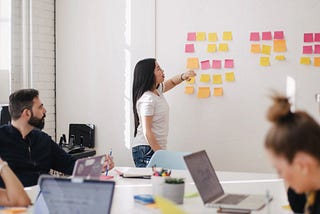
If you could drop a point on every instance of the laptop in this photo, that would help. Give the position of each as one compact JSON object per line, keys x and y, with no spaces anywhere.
{"x":88,"y":167}
{"x":211,"y":191}
{"x":73,"y":195}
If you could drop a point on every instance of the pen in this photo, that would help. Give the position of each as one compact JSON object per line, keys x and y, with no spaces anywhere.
{"x":107,"y":169}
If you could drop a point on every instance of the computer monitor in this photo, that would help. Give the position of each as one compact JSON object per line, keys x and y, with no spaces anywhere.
{"x":5,"y":117}
{"x":82,"y":134}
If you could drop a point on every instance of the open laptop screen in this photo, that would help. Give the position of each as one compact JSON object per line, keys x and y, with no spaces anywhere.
{"x":76,"y":195}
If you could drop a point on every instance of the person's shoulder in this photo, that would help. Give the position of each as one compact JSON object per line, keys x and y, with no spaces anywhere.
{"x":147,"y":97}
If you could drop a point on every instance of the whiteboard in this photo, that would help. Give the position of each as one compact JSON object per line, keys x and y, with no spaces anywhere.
{"x":232,"y":127}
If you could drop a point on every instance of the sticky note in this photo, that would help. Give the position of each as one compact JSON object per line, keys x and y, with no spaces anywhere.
{"x":228,"y":63}
{"x":254,"y":36}
{"x":280,"y":57}
{"x":307,"y":49}
{"x":216,"y":64}
{"x":264,"y":61}
{"x":193,"y":63}
{"x":217,"y":79}
{"x":205,"y":78}
{"x":255,"y":48}
{"x":191,"y":80}
{"x":212,"y":37}
{"x":203,"y":92}
{"x":217,"y":92}
{"x":201,"y":36}
{"x":266,"y":49}
{"x":267,"y":35}
{"x":229,"y":76}
{"x":223,"y":47}
{"x":189,"y":48}
{"x":308,"y":37}
{"x":278,"y":35}
{"x":191,"y":36}
{"x":317,"y":37}
{"x":189,"y":90}
{"x":167,"y":206}
{"x":279,"y":45}
{"x":317,"y":49}
{"x":212,"y":48}
{"x":316,"y":61}
{"x":227,"y":36}
{"x":205,"y":64}
{"x":305,"y":61}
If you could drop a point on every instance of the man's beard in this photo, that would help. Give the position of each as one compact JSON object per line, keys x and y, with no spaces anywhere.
{"x":37,"y":122}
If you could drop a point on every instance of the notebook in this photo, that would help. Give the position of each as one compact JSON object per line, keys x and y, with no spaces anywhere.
{"x":89,"y":167}
{"x":73,"y":195}
{"x":211,"y":191}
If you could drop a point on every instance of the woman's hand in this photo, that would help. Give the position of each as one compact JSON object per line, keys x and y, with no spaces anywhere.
{"x":187,"y":75}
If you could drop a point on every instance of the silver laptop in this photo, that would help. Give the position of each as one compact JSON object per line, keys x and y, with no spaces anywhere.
{"x":210,"y":189}
{"x":88,"y":167}
{"x":73,"y":195}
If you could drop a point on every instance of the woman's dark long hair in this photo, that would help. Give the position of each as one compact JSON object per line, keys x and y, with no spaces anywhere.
{"x":143,"y":80}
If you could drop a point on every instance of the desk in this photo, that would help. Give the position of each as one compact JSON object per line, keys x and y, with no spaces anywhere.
{"x":233,"y":182}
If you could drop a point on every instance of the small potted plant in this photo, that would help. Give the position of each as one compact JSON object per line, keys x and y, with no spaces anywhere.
{"x":173,"y":189}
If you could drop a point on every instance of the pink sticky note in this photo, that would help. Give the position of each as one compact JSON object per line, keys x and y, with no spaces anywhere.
{"x":228,"y":63}
{"x":308,"y":37}
{"x":254,"y":36}
{"x":191,"y":36}
{"x":317,"y":49}
{"x":317,"y":37}
{"x":189,"y":48}
{"x":307,"y":49}
{"x":266,"y":35}
{"x":278,"y":35}
{"x":205,"y":64}
{"x":216,"y":64}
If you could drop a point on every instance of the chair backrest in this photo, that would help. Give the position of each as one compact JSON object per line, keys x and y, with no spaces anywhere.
{"x":168,"y":159}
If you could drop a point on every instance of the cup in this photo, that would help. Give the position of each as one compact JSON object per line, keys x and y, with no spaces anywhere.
{"x":157,"y":185}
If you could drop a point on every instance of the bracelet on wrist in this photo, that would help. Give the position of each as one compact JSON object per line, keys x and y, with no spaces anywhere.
{"x":181,"y":77}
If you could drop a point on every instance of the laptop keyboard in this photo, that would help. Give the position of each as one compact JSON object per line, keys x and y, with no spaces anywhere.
{"x":232,"y":199}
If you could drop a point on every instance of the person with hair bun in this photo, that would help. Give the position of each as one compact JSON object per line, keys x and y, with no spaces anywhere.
{"x":293,"y":146}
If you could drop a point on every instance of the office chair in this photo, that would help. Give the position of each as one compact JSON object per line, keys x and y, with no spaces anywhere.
{"x":168,"y":159}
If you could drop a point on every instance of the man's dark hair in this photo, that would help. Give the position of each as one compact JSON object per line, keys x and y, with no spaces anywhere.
{"x":20,"y":100}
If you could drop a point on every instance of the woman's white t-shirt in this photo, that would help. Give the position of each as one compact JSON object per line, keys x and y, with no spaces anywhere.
{"x":150,"y":104}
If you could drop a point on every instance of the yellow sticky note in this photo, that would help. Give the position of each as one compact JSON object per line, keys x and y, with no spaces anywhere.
{"x":255,"y":48}
{"x":223,"y":47}
{"x":264,"y":61}
{"x":189,"y":90}
{"x":212,"y":37}
{"x":191,"y":80}
{"x":217,"y":92}
{"x":280,"y":57}
{"x":212,"y":48}
{"x":229,"y":76}
{"x":316,"y":61}
{"x":193,"y":63}
{"x":217,"y":79}
{"x":203,"y":92}
{"x":201,"y":36}
{"x":227,"y":36}
{"x":279,"y":45}
{"x":305,"y":60}
{"x":205,"y":78}
{"x":167,"y":207}
{"x":266,"y":49}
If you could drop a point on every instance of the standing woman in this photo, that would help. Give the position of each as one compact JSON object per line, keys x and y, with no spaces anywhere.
{"x":293,"y":146}
{"x":150,"y":109}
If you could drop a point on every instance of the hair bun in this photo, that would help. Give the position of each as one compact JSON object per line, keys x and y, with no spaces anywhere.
{"x":280,"y":108}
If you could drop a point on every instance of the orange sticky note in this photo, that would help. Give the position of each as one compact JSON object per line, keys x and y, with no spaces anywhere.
{"x":191,"y":80}
{"x":193,"y":63}
{"x":279,"y":45}
{"x":229,"y":76}
{"x":305,"y":61}
{"x":205,"y":78}
{"x":227,"y":36}
{"x":203,"y":92}
{"x":217,"y":79}
{"x":266,"y":49}
{"x":217,"y":92}
{"x":212,"y":48}
{"x":255,"y":48}
{"x":316,"y":61}
{"x":223,"y":47}
{"x":212,"y":37}
{"x":201,"y":36}
{"x":264,"y":61}
{"x":189,"y":90}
